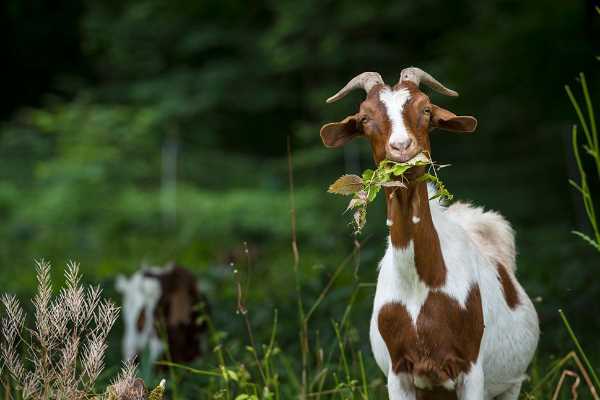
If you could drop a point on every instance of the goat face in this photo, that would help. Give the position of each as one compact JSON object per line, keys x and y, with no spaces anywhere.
{"x":395,"y":119}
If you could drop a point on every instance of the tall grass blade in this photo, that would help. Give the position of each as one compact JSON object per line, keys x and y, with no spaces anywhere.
{"x":579,"y":348}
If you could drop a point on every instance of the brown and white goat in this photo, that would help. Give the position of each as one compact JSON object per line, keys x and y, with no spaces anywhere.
{"x":450,"y":320}
{"x":162,"y":300}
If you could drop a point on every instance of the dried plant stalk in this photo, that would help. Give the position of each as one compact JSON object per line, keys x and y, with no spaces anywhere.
{"x":62,"y":355}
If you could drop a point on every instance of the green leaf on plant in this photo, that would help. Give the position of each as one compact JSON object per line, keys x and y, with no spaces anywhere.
{"x":388,"y":174}
{"x":367,"y":174}
{"x":588,"y":239}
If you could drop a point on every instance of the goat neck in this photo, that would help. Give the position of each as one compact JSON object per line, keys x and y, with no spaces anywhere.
{"x":409,"y":217}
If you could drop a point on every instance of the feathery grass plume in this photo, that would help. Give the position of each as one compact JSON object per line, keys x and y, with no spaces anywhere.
{"x":12,"y":326}
{"x":127,"y":386}
{"x":62,"y":354}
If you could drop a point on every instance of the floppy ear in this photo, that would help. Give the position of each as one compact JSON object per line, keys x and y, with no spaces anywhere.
{"x":448,"y":121}
{"x":337,"y":134}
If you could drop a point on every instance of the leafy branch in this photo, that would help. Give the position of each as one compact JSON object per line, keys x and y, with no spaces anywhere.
{"x":364,"y":189}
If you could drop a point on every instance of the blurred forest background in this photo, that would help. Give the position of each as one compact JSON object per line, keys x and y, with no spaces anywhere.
{"x":147,"y":131}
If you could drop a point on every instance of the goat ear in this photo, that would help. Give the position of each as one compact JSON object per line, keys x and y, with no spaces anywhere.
{"x":337,"y":134}
{"x":444,"y":119}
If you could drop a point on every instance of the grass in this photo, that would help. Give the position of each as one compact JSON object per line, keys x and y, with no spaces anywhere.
{"x":557,"y":374}
{"x":591,"y":148}
{"x":336,"y":368}
{"x":322,"y":368}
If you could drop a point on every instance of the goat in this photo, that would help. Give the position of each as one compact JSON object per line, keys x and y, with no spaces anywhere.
{"x":450,"y":320}
{"x":162,"y":299}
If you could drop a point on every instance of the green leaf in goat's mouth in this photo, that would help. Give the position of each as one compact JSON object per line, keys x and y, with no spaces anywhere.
{"x":364,"y":189}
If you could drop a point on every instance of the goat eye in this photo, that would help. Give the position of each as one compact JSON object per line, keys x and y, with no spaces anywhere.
{"x":364,"y":119}
{"x":427,"y":110}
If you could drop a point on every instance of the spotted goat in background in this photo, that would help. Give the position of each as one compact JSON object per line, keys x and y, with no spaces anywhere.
{"x":163,"y":305}
{"x":450,"y":320}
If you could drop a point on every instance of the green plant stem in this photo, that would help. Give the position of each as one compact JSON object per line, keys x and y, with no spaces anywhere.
{"x":304,"y":328}
{"x":583,"y":187}
{"x":590,"y":109}
{"x":577,"y":108}
{"x":548,"y":376}
{"x":188,"y":369}
{"x":363,"y":376}
{"x":342,"y":351}
{"x":331,"y":281}
{"x":579,"y":348}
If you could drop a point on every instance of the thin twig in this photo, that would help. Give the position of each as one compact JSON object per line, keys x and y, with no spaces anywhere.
{"x":242,"y":309}
{"x":580,"y":349}
{"x":304,"y":325}
{"x":333,"y":278}
{"x":564,"y":374}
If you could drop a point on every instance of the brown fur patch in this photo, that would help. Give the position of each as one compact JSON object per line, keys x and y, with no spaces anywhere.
{"x":437,"y":393}
{"x":141,"y":320}
{"x":177,"y":314}
{"x":508,"y":287}
{"x":180,"y":306}
{"x":444,"y":342}
{"x":402,"y":206}
{"x":377,"y":127}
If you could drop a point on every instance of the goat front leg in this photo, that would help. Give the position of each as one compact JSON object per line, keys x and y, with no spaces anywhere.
{"x":472,"y":386}
{"x":400,"y":386}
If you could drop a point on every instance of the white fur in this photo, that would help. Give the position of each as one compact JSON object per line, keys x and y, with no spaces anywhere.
{"x":400,"y":387}
{"x":140,"y":294}
{"x":472,"y":243}
{"x":492,"y":234}
{"x":394,"y":102}
{"x":472,"y":386}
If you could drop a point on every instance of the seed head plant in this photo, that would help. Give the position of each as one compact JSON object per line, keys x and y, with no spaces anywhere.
{"x":62,"y":354}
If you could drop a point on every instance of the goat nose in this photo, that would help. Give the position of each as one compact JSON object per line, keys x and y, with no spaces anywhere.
{"x":400,"y":146}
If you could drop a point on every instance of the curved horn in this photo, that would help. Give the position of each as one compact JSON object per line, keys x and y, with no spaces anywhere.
{"x":417,"y":75}
{"x":365,"y":81}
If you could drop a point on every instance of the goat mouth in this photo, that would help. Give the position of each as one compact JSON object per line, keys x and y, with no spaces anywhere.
{"x":418,"y":162}
{"x":410,"y":157}
{"x":403,"y":156}
{"x":399,"y":158}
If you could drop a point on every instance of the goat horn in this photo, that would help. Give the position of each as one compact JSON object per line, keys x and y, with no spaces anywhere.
{"x":417,"y":75}
{"x":365,"y":81}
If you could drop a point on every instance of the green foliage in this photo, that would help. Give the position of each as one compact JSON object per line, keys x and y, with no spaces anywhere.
{"x":591,"y":147}
{"x":329,"y":363}
{"x":388,"y":174}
